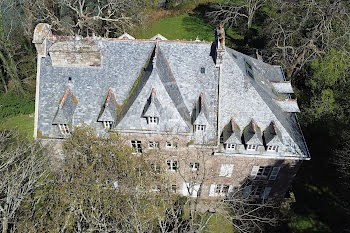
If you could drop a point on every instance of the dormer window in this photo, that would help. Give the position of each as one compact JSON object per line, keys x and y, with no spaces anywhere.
{"x":108,"y":125}
{"x":199,"y":128}
{"x":252,"y":147}
{"x":64,"y":129}
{"x":272,"y":148}
{"x":229,"y":146}
{"x":153,"y":120}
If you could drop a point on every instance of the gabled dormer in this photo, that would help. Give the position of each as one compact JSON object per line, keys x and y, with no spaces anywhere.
{"x":252,"y":137}
{"x":126,"y":36}
{"x":231,"y":136}
{"x":64,"y":115}
{"x":200,"y":115}
{"x":158,"y":37}
{"x":152,"y":108}
{"x":272,"y":138}
{"x":108,"y":111}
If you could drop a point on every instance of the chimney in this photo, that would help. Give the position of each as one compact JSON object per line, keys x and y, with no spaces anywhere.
{"x":220,"y":45}
{"x":39,"y":38}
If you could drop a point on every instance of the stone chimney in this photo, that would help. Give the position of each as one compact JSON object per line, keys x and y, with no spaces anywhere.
{"x":220,"y":45}
{"x":40,"y":32}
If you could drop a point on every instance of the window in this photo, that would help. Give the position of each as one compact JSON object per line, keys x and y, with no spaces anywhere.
{"x":153,"y":145}
{"x":153,"y":120}
{"x":108,"y":125}
{"x":272,"y":148}
{"x":172,"y":165}
{"x":136,"y":145}
{"x":155,"y":168}
{"x":202,"y":70}
{"x":256,"y":192}
{"x":251,"y":147}
{"x":264,"y":172}
{"x":250,"y":74}
{"x":199,"y":128}
{"x":226,"y":170}
{"x":230,"y":146}
{"x":170,"y":145}
{"x":194,"y":166}
{"x":64,"y":129}
{"x":221,"y":189}
{"x":173,"y":188}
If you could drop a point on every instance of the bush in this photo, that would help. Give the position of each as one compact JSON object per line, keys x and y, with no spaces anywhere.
{"x":12,"y":105}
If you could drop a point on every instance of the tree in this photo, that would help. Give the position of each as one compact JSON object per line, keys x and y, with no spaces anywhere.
{"x":23,"y":170}
{"x":232,"y":13}
{"x":300,"y":31}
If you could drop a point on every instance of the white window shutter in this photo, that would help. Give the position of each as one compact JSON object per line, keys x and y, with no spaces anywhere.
{"x":266,"y":192}
{"x":212,"y":190}
{"x":254,"y":172}
{"x":247,"y":191}
{"x":226,"y":170}
{"x":274,"y":173}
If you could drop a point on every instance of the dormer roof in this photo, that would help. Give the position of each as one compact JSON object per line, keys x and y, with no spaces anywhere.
{"x":232,"y":133}
{"x":200,"y":112}
{"x":66,"y":107}
{"x":271,"y":135}
{"x":158,"y":37}
{"x":126,"y":36}
{"x":252,"y":134}
{"x":152,"y":107}
{"x":109,"y":108}
{"x":282,"y":87}
{"x":288,"y":105}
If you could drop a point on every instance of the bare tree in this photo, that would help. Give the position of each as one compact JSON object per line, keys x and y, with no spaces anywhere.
{"x":304,"y":30}
{"x":23,"y":169}
{"x":232,"y":13}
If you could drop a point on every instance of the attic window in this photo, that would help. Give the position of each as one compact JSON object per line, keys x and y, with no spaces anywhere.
{"x":108,"y":125}
{"x":249,"y":69}
{"x":230,"y":146}
{"x":248,"y":65}
{"x":64,"y":129}
{"x":200,"y":128}
{"x":250,"y":74}
{"x":272,"y":148}
{"x":202,"y":70}
{"x":251,"y":147}
{"x":153,"y":120}
{"x":234,"y":55}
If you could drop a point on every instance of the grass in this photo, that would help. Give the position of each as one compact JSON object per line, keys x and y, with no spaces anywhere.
{"x":23,"y":123}
{"x":182,"y":27}
{"x":219,"y":224}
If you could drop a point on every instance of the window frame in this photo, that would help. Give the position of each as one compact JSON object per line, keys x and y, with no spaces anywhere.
{"x":137,"y":146}
{"x":272,"y":148}
{"x":172,"y":165}
{"x":251,"y":147}
{"x":194,"y":166}
{"x":64,"y":129}
{"x":153,"y":120}
{"x":108,"y":125}
{"x":199,"y":128}
{"x":153,"y":145}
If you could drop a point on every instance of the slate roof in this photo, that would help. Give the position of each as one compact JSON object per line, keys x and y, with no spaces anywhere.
{"x":164,"y":78}
{"x":252,"y":134}
{"x":109,"y":109}
{"x":66,"y":108}
{"x":231,"y":133}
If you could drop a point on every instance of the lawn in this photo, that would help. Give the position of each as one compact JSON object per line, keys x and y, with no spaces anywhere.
{"x":24,"y":124}
{"x":182,"y":27}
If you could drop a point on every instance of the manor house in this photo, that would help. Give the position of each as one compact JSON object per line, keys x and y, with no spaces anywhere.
{"x":215,"y":117}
